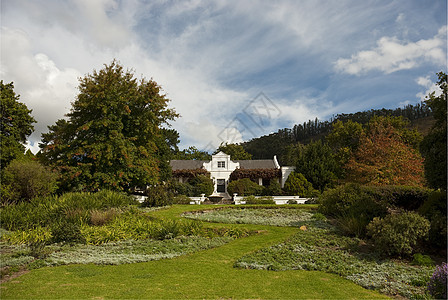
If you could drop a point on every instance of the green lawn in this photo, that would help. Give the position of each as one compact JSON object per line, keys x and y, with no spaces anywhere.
{"x":205,"y":274}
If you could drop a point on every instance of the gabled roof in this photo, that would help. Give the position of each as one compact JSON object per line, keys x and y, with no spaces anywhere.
{"x":186,"y":164}
{"x":257,"y":164}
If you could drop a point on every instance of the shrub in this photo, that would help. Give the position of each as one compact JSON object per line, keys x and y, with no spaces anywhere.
{"x":435,"y":210}
{"x":407,"y":197}
{"x":167,"y":230}
{"x":35,"y":238}
{"x":67,"y":232}
{"x":179,"y":188}
{"x":202,"y":184}
{"x":273,"y":189}
{"x":352,"y":206}
{"x":244,"y":187}
{"x":296,"y":184}
{"x":27,"y":179}
{"x":438,"y":281}
{"x":263,"y":200}
{"x":157,"y":196}
{"x":101,"y":217}
{"x":422,"y":260}
{"x":71,"y":207}
{"x":318,"y":217}
{"x":398,"y":234}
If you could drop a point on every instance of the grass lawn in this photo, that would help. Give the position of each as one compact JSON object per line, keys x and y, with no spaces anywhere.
{"x":204,"y":274}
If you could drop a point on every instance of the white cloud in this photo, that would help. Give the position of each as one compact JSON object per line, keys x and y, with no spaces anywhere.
{"x":207,"y":135}
{"x":430,"y":87}
{"x":392,"y":55}
{"x":211,"y":58}
{"x":43,"y":87}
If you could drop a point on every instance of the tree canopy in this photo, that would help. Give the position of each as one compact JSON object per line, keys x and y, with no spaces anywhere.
{"x":112,"y":137}
{"x":385,"y":155}
{"x":434,"y":144}
{"x":319,"y":165}
{"x":235,"y":151}
{"x":192,"y":153}
{"x":16,"y":124}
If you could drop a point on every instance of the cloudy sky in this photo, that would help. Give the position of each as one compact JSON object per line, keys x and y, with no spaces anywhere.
{"x":234,"y":70}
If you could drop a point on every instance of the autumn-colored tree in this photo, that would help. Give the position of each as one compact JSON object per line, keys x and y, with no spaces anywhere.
{"x":384,"y":158}
{"x":112,"y":137}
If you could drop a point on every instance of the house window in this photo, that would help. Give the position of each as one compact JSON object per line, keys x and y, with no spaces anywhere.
{"x":221,"y":164}
{"x":221,"y":186}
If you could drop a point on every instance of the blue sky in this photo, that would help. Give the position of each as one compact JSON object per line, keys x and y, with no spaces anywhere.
{"x":234,"y":70}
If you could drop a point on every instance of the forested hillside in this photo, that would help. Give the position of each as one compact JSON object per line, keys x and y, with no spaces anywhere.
{"x":420,"y":117}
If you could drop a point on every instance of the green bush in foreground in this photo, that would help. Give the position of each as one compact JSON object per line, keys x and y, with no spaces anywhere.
{"x":352,"y":206}
{"x":70,"y":207}
{"x":25,"y":180}
{"x":398,"y":234}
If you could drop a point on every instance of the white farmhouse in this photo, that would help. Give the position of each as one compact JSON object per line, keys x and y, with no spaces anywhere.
{"x":221,"y":167}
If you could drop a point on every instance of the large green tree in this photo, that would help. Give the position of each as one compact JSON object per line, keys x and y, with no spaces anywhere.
{"x":434,"y":145}
{"x":16,"y":123}
{"x":112,"y":137}
{"x":319,"y":165}
{"x":192,"y":153}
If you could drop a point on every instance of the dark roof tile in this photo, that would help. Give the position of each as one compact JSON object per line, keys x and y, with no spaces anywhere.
{"x":186,"y":164}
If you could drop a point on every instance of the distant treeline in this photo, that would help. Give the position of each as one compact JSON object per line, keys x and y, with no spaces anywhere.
{"x":267,"y":146}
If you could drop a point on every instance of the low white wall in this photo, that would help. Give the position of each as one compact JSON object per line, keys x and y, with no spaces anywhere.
{"x":197,"y":200}
{"x":140,"y":198}
{"x":277,"y":199}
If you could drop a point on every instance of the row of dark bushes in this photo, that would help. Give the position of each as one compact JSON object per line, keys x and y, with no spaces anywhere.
{"x":398,"y":218}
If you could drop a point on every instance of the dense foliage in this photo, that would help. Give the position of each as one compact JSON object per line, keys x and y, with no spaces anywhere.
{"x":434,"y":145}
{"x":273,"y":189}
{"x":25,"y":179}
{"x":385,"y":156}
{"x":157,"y":195}
{"x":72,"y":207}
{"x":112,"y":137}
{"x":194,"y":187}
{"x":398,"y":234}
{"x":235,"y":151}
{"x":202,"y":184}
{"x":319,"y":165}
{"x":296,"y":184}
{"x":244,"y":187}
{"x":435,"y":210}
{"x":192,"y":153}
{"x":353,"y":206}
{"x":16,"y":123}
{"x":276,"y":143}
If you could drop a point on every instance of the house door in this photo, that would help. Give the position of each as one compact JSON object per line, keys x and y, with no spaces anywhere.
{"x":221,"y":185}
